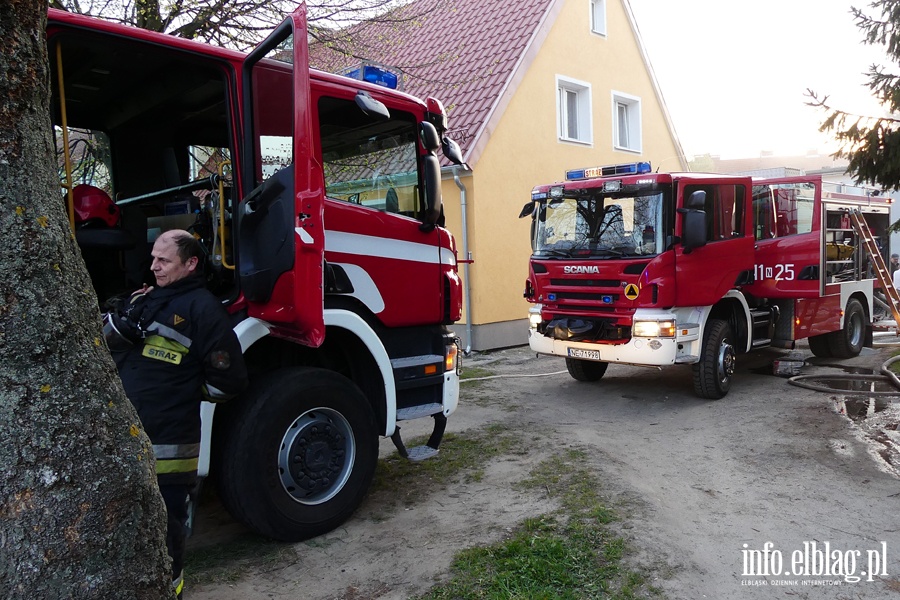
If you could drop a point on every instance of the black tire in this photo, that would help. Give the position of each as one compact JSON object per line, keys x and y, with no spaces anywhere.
{"x":820,"y":345}
{"x":848,"y":341}
{"x":299,"y":453}
{"x":714,"y":371}
{"x":586,"y":370}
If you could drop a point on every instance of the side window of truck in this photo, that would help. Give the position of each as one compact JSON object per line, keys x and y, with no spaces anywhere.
{"x":781,"y":210}
{"x":373,"y":163}
{"x":724,"y":210}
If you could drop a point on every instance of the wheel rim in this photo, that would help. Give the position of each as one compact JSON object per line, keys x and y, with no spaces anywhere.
{"x":855,"y":330}
{"x":316,"y":456}
{"x":725,"y":363}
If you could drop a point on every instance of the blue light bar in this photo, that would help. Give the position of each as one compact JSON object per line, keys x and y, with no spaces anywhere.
{"x":638,"y":168}
{"x":375,"y":75}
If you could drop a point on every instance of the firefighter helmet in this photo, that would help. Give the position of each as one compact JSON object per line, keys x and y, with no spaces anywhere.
{"x":119,"y":332}
{"x":93,"y":207}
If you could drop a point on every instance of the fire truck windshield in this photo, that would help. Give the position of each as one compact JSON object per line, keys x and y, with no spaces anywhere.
{"x":599,"y":226}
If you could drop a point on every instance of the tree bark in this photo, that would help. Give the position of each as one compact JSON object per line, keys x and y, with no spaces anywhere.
{"x":80,"y":514}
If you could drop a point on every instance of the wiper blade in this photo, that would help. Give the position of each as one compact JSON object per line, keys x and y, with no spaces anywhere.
{"x":607,"y":252}
{"x":555,"y":252}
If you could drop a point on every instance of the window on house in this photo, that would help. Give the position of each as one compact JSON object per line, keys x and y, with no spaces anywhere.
{"x":598,"y":16}
{"x":626,"y":122}
{"x":574,"y":110}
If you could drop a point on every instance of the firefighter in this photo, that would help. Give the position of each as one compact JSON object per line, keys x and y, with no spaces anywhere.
{"x":174,"y":345}
{"x":895,"y":270}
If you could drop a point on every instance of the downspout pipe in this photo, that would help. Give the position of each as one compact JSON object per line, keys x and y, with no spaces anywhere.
{"x":467,"y":260}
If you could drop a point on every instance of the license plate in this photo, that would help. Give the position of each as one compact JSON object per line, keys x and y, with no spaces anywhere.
{"x":585,"y":354}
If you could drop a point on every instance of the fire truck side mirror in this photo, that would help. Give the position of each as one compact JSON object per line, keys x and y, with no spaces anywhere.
{"x":429,"y":135}
{"x":370,"y":106}
{"x":527,"y":210}
{"x":433,"y":201}
{"x":693,"y":224}
{"x":451,"y":150}
{"x":431,"y":141}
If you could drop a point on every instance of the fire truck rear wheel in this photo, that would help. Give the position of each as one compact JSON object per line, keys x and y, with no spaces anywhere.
{"x":712,"y":375}
{"x":848,"y":341}
{"x":820,"y":345}
{"x":299,"y":454}
{"x":586,"y":370}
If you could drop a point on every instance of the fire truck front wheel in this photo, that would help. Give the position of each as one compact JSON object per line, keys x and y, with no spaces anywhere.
{"x":299,"y":454}
{"x":713,"y":373}
{"x":585,"y":370}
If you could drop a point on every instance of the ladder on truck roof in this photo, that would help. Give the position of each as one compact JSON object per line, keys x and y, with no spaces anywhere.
{"x":884,"y":277}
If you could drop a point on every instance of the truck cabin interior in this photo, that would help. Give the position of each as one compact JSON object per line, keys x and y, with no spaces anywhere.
{"x":143,"y":122}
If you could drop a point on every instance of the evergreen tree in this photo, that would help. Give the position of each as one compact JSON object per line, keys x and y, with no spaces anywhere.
{"x":871,"y":144}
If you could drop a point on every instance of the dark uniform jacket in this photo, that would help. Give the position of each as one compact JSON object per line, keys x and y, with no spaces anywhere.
{"x":189,"y":352}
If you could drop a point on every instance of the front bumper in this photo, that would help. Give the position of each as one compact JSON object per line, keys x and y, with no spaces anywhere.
{"x":684,"y":348}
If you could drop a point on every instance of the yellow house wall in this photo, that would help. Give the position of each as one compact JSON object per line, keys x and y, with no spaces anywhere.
{"x":523,"y":150}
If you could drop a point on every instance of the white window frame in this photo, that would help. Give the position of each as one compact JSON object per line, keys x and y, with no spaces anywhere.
{"x":565,"y":89}
{"x":628,"y":136}
{"x":598,"y":16}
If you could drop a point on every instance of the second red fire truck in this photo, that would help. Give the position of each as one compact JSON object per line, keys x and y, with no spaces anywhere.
{"x":655,"y":269}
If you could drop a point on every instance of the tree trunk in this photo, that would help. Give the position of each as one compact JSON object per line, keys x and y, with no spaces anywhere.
{"x":80,"y":514}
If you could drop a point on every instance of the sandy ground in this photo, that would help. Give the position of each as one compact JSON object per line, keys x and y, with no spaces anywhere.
{"x":703,"y":485}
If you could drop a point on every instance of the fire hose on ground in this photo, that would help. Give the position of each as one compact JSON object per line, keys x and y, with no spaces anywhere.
{"x":886,"y":376}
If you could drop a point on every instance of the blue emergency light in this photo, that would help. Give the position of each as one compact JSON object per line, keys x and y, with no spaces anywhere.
{"x":637,"y":168}
{"x":373,"y":74}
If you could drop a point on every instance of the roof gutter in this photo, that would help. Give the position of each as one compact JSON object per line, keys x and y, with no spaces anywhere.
{"x":467,"y":260}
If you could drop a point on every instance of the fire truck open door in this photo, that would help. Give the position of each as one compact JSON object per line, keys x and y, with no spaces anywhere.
{"x":281,"y":238}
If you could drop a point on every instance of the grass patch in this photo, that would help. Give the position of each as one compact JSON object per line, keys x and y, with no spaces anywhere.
{"x":570,"y":554}
{"x":229,"y":562}
{"x":467,"y":373}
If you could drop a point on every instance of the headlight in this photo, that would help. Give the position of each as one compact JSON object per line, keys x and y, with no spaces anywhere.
{"x":653,"y":329}
{"x":534,"y":317}
{"x":451,"y":357}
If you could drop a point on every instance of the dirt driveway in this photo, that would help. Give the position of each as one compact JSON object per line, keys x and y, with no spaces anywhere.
{"x":712,"y":493}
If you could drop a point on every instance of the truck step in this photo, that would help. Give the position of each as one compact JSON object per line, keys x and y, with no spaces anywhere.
{"x":429,"y":449}
{"x":418,"y":412}
{"x":760,"y":314}
{"x":761,"y":343}
{"x":420,"y":453}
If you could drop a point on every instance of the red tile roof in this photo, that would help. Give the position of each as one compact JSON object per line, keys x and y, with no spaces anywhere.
{"x":463,"y":52}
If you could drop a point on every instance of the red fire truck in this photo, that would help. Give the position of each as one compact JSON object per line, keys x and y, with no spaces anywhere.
{"x":318,"y":198}
{"x":654,"y":269}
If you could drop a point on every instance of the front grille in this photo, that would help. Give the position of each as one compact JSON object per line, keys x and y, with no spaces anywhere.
{"x":585,"y":296}
{"x":600,"y":283}
{"x":582,"y":308}
{"x":577,"y":329}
